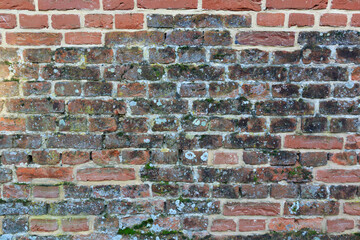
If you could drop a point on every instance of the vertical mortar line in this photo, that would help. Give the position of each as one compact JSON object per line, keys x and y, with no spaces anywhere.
{"x":200,"y":5}
{"x":263,"y":5}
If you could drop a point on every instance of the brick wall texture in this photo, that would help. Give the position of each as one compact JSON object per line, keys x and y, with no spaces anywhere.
{"x":179,"y":119}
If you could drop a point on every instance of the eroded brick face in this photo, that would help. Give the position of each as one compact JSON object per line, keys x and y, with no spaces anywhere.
{"x":169,"y":119}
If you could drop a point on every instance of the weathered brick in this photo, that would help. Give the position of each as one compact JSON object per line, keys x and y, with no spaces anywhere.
{"x":99,"y":21}
{"x":265,"y":38}
{"x":18,"y":5}
{"x":106,"y":174}
{"x":43,"y":225}
{"x":68,"y":5}
{"x":14,"y":225}
{"x":251,"y":209}
{"x":33,"y":39}
{"x":46,"y":192}
{"x":313,"y":142}
{"x":134,"y":38}
{"x":167,"y":4}
{"x":278,"y":4}
{"x":251,"y":5}
{"x":75,"y":225}
{"x":129,"y":21}
{"x":223,"y":225}
{"x":310,"y":208}
{"x":28,"y":174}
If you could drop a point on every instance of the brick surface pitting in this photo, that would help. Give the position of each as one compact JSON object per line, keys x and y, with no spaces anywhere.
{"x":168,"y":119}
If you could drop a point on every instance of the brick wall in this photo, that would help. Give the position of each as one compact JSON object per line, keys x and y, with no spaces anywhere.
{"x":191,"y":119}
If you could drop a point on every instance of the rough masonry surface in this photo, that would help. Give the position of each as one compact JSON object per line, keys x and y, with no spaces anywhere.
{"x":169,"y":119}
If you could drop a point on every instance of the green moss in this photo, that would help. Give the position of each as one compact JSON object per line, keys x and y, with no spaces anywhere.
{"x":210,"y":100}
{"x":184,"y":48}
{"x":148,"y":166}
{"x":183,"y":67}
{"x":127,"y":231}
{"x":188,"y":117}
{"x":184,"y":200}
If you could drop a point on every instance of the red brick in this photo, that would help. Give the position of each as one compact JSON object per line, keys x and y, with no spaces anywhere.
{"x":232,"y":5}
{"x":106,"y":157}
{"x":352,"y":208}
{"x":106,"y":174}
{"x":68,"y":89}
{"x":355,"y":20}
{"x":333,"y":20}
{"x":352,"y":142}
{"x":250,"y":225}
{"x":68,"y":4}
{"x":223,"y":225}
{"x":83,"y":38}
{"x":301,"y":20}
{"x":46,"y":157}
{"x":338,"y":176}
{"x":271,"y":19}
{"x":346,"y":4}
{"x":65,"y":21}
{"x":295,"y":4}
{"x":118,"y":4}
{"x":226,"y":158}
{"x":16,"y":191}
{"x":36,"y":88}
{"x":135,"y":157}
{"x":313,"y":142}
{"x":43,"y":225}
{"x":282,"y":224}
{"x":18,"y":4}
{"x":195,"y":223}
{"x":291,"y":224}
{"x":37,"y":21}
{"x":75,"y":157}
{"x":251,"y":209}
{"x":59,"y":173}
{"x":129,"y":21}
{"x":311,"y":223}
{"x":313,"y":159}
{"x":266,"y":38}
{"x":102,"y":125}
{"x":126,"y":90}
{"x":339,"y":225}
{"x":33,"y":39}
{"x":344,"y":158}
{"x":75,"y":225}
{"x":12,"y":124}
{"x":168,"y":223}
{"x":7,"y":21}
{"x":168,"y":4}
{"x":135,"y":191}
{"x":46,"y":192}
{"x":99,"y":21}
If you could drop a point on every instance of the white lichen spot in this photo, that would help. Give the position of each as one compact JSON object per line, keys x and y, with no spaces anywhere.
{"x":190,"y":155}
{"x":180,"y":206}
{"x":160,"y":121}
{"x":196,"y":122}
{"x":294,"y":208}
{"x":204,"y":157}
